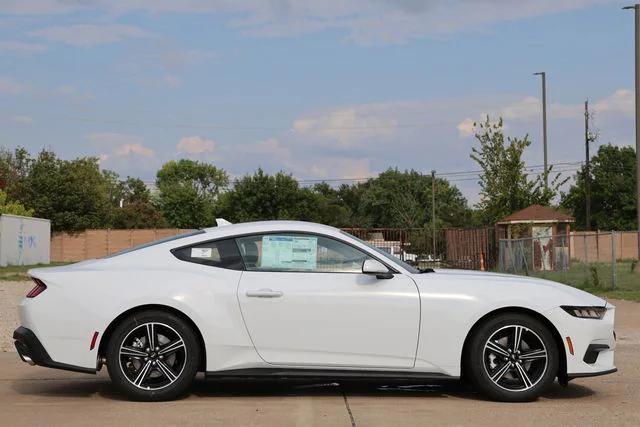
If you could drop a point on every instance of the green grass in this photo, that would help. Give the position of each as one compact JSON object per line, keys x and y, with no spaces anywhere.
{"x":19,"y":272}
{"x":597,"y":278}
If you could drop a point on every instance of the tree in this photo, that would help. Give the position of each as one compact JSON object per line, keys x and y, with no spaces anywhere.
{"x":331,"y":209}
{"x":350,"y":197}
{"x":403,"y":199}
{"x":71,"y":193}
{"x":131,"y":204}
{"x":14,"y":167}
{"x":188,"y":192}
{"x":505,"y":187}
{"x":138,"y":214}
{"x":12,"y":208}
{"x":613,"y":184}
{"x":134,"y":190}
{"x":264,"y":197}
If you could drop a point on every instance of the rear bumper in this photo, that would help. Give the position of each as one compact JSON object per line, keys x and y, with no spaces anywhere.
{"x":31,"y":351}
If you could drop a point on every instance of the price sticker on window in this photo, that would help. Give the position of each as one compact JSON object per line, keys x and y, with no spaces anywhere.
{"x":289,"y":252}
{"x":200,"y":252}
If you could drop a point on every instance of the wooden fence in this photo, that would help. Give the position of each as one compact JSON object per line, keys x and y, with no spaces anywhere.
{"x":66,"y":247}
{"x":472,"y":249}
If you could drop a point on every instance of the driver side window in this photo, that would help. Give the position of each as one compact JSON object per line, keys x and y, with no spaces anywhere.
{"x":299,"y":252}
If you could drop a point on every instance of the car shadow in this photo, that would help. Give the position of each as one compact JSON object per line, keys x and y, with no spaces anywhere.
{"x":81,"y":387}
{"x":443,"y":389}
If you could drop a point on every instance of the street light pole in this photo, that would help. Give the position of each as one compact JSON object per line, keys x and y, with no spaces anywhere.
{"x":544,"y":125}
{"x":433,"y":211}
{"x":637,"y":52}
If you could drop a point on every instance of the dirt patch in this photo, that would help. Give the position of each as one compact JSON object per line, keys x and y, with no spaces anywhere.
{"x":10,"y":295}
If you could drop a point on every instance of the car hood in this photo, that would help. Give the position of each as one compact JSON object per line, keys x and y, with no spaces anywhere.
{"x":531,"y":287}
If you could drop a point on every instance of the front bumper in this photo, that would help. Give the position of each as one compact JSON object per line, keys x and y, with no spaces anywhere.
{"x":31,"y":351}
{"x":589,"y":343}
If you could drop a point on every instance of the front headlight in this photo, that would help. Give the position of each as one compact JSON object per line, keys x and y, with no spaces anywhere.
{"x":585,"y":312}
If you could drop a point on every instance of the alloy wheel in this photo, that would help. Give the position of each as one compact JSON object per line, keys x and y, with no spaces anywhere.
{"x":515,"y":358}
{"x":152,"y":356}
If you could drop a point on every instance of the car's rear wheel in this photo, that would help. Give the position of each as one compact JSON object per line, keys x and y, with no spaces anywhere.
{"x":153,"y":355}
{"x":512,"y":357}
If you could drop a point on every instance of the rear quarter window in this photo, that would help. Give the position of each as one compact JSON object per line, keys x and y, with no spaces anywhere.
{"x":219,"y":253}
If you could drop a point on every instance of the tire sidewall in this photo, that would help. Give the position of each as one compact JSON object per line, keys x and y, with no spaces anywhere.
{"x":192,"y":362}
{"x":475,"y":358}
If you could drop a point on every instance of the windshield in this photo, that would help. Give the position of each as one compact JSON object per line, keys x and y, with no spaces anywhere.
{"x":156,"y":242}
{"x":411,"y":269}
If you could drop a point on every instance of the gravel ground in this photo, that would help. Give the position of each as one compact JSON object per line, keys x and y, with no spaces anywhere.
{"x":10,"y":295}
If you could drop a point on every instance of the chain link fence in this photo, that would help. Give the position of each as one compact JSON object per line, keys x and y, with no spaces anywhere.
{"x":605,"y":260}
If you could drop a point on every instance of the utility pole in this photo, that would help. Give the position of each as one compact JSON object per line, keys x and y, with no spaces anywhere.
{"x":544,"y":125}
{"x":433,"y":211}
{"x":636,"y":8}
{"x":587,"y":171}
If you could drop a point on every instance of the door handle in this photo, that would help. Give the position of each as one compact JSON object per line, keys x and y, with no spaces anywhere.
{"x":264,"y":293}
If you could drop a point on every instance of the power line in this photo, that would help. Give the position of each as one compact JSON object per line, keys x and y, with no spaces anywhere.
{"x":458,"y":176}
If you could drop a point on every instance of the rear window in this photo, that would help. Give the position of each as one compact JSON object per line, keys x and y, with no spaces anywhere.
{"x":219,"y":253}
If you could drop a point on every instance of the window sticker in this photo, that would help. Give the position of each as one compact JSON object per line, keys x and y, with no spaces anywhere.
{"x":289,"y":252}
{"x":200,"y":252}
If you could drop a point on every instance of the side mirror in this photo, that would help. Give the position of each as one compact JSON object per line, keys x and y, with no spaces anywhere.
{"x":376,"y":268}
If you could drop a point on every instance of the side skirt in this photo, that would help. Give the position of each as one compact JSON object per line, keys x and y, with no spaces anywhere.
{"x":324,"y":374}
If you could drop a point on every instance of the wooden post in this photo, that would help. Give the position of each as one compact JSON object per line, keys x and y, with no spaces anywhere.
{"x":86,"y":245}
{"x":613,"y":259}
{"x":61,"y":247}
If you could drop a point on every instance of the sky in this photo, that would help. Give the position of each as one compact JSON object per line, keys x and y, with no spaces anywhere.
{"x":323,"y":90}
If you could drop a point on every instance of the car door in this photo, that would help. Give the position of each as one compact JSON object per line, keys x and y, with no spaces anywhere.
{"x":305,"y":301}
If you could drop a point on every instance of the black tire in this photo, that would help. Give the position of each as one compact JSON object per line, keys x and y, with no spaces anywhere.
{"x":163,"y":371}
{"x":484,"y":360}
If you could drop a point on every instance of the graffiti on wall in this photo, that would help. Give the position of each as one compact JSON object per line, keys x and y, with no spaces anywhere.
{"x":28,"y":241}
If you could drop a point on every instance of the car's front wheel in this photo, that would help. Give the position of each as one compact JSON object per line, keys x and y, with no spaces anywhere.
{"x":153,"y":355}
{"x":512,"y":357}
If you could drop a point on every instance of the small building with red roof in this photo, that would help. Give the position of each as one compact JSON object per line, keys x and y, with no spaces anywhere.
{"x":547,"y":229}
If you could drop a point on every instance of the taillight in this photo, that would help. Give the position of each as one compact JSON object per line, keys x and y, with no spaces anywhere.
{"x":37,"y":289}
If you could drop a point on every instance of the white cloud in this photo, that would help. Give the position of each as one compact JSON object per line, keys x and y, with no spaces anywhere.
{"x":466,"y":128}
{"x":195,"y":145}
{"x":38,"y":7}
{"x":529,"y":110}
{"x":124,"y":153}
{"x":363,"y":21}
{"x":88,"y":35}
{"x":9,"y":86}
{"x":621,"y":101}
{"x":120,"y":144}
{"x":21,"y":47}
{"x":129,"y":149}
{"x":22,"y":120}
{"x":341,"y":168}
{"x":349,"y":126}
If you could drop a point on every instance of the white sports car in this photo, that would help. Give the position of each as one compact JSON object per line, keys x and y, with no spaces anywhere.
{"x":293,"y":299}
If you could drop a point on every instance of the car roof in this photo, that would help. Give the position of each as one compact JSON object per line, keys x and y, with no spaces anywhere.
{"x":269,"y":226}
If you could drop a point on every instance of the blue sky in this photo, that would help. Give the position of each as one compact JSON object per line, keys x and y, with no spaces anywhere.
{"x":323,"y":90}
